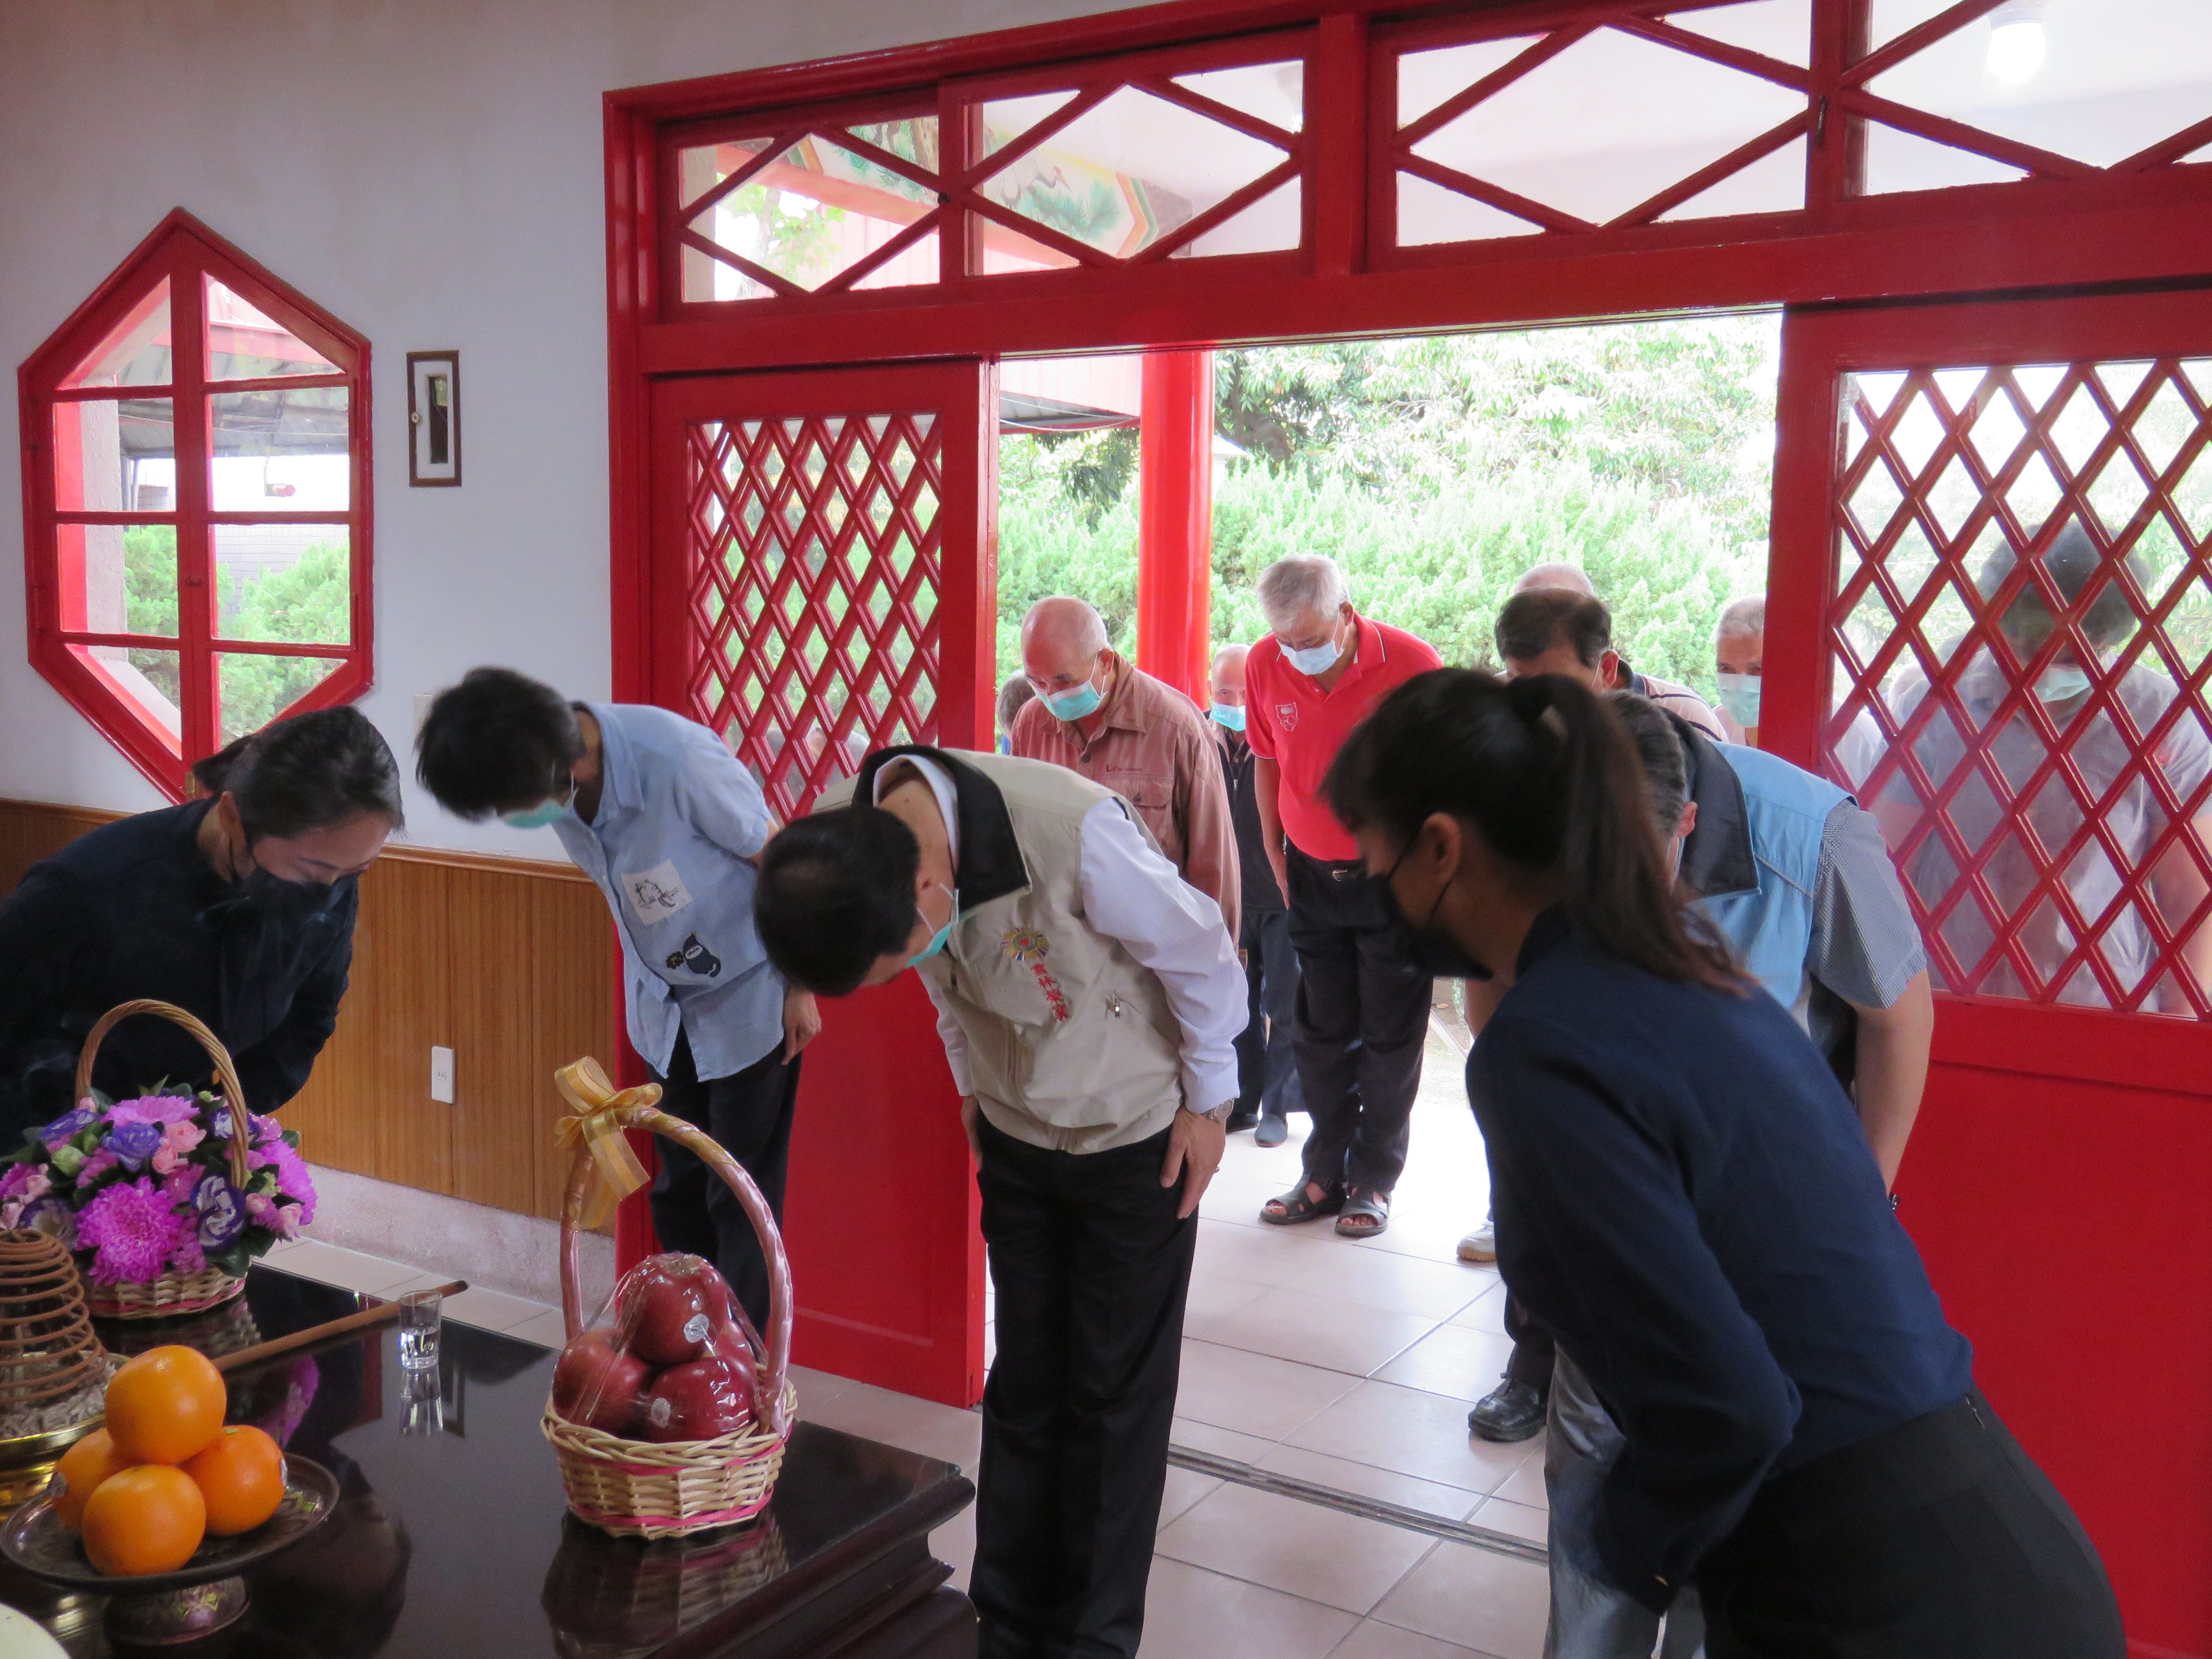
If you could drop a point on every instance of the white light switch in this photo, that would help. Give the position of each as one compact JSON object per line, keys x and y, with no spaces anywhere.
{"x":441,"y":1075}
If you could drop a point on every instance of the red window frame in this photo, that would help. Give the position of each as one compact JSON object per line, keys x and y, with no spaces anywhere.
{"x":184,"y":254}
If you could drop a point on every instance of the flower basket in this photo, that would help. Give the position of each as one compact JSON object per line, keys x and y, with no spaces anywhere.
{"x":166,"y":1198}
{"x":649,"y":1489}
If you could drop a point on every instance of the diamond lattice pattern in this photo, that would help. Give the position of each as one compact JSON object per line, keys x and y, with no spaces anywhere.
{"x":815,"y":572}
{"x":2020,"y":634}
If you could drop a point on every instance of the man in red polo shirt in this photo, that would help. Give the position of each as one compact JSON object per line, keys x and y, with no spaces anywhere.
{"x":1362,"y":1010}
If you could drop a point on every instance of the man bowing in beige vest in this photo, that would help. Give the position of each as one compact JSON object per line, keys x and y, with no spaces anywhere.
{"x":1089,"y":1000}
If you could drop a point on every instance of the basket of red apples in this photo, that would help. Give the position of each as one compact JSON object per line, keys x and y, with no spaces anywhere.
{"x":669,"y":1412}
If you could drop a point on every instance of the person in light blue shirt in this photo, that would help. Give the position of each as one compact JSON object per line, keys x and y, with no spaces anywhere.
{"x":661,"y":815}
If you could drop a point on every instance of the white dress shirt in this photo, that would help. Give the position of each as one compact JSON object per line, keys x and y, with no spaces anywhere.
{"x":1132,"y":895}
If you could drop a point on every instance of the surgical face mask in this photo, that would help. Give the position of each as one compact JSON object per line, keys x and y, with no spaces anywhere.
{"x":1739,"y":697}
{"x":1434,"y":951}
{"x":1076,"y":702}
{"x":937,"y":940}
{"x":1230,"y":715}
{"x":2061,"y":683}
{"x":545,"y":813}
{"x":1314,"y":660}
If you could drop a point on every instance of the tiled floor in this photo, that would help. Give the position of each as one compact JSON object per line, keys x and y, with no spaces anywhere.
{"x":1347,"y":1364}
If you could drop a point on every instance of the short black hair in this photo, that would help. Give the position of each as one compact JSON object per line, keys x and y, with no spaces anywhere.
{"x":311,"y":772}
{"x":1532,"y":623}
{"x":2071,"y":561}
{"x":1659,"y":749}
{"x":498,"y":742}
{"x":836,"y":892}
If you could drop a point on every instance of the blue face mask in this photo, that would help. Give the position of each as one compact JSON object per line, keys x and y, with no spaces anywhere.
{"x":2062,"y":682}
{"x":542,"y":815}
{"x":1073,"y":703}
{"x":1230,"y":715}
{"x":1314,"y":660}
{"x":1739,"y":697}
{"x":937,"y":940}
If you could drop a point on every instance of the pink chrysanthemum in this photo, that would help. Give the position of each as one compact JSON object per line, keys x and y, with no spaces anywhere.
{"x":96,"y":1166}
{"x":132,"y":1228}
{"x":293,"y":1180}
{"x":153,"y":1109}
{"x":186,"y":1257}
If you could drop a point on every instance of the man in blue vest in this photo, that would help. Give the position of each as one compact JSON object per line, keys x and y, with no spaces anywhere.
{"x":1797,"y":879}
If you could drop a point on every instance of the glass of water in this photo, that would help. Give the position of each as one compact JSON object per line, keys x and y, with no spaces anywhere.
{"x":419,"y":1317}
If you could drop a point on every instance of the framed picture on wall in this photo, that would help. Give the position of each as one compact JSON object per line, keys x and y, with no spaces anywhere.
{"x":434,"y":417}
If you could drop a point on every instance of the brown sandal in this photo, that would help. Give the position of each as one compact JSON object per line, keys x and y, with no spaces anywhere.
{"x":1366,"y":1213}
{"x":1298,"y":1205}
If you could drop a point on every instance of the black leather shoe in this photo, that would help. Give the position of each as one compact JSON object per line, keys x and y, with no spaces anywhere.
{"x":1511,"y":1411}
{"x":1241,"y":1119}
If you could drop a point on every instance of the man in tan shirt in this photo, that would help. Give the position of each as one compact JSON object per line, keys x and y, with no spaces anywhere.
{"x":1101,"y":716}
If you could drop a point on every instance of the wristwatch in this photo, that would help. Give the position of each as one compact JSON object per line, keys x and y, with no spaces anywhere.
{"x":1218,"y":1115}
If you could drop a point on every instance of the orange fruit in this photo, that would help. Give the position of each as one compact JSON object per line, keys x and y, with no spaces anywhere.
{"x":149,"y":1519}
{"x":83,"y":1467}
{"x":165,"y":1405}
{"x":240,"y":1473}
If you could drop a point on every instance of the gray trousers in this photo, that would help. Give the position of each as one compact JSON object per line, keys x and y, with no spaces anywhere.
{"x":1590,"y":1620}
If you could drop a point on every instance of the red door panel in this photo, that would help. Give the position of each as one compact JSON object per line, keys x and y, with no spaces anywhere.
{"x":822,"y":584}
{"x":1990,"y":615}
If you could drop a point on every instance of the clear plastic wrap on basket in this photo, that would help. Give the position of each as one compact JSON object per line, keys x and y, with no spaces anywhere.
{"x":670,"y":1358}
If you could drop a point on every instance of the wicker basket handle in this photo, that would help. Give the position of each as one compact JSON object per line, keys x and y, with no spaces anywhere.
{"x":651,"y":1119}
{"x":234,"y":1092}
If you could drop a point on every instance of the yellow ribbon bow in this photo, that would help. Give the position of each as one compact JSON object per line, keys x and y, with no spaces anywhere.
{"x":594,"y":1125}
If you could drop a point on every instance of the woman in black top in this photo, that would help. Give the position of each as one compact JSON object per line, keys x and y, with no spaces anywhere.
{"x":1684,"y":1195}
{"x":238,"y":907}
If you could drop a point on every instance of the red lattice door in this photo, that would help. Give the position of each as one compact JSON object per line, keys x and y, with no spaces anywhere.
{"x":823,"y":585}
{"x":1992,"y":617}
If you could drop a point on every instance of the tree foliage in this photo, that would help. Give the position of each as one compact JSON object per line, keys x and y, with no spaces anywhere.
{"x":1436,"y":471}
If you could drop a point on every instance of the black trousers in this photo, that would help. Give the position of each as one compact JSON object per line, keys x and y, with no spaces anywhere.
{"x":1362,"y":1015}
{"x":748,"y":1115}
{"x":1266,"y":1053}
{"x":1534,"y":1350}
{"x":1091,"y":1267}
{"x":1935,"y":1540}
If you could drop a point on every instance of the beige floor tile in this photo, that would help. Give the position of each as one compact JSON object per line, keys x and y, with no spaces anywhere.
{"x":1192,"y":1613}
{"x":1526,"y":1484}
{"x":1411,"y":1432}
{"x":1218,"y":1442}
{"x":1495,"y":1604}
{"x":1214,"y":1294}
{"x":1372,"y":1639}
{"x":548,"y":1329}
{"x":1278,"y":1256}
{"x":901,"y":1419}
{"x":1438,"y":1289}
{"x":1253,"y":1393}
{"x":1327,"y":1331}
{"x":1302,"y":1549}
{"x":1364,"y":1480}
{"x":1487,"y":1314}
{"x":817,"y":1388}
{"x":1184,"y":1488}
{"x":1452,"y":1360}
{"x":491,"y":1310}
{"x":1522,"y":1521}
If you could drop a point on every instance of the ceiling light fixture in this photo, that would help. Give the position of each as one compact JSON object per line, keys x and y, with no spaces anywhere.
{"x":2017,"y":44}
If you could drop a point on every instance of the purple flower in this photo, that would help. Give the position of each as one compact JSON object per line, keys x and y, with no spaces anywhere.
{"x":25,"y":1181}
{"x":293,"y":1180}
{"x":153,"y":1109}
{"x":221,"y":1210}
{"x":51,"y":1215}
{"x":187,"y":1258}
{"x":132,"y":1228}
{"x":134,"y":1142}
{"x":94,"y":1167}
{"x":65,"y":1126}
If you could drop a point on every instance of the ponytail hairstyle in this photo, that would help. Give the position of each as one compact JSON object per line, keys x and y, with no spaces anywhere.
{"x":310,"y":772}
{"x":1545,"y":773}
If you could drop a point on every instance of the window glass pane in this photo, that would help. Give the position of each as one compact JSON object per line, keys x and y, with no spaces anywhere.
{"x":292,"y":583}
{"x":136,"y":351}
{"x":244,"y":344}
{"x":1273,"y":92}
{"x":1006,"y":249}
{"x":282,"y":450}
{"x":254,"y":690}
{"x":811,"y":214}
{"x":1773,"y":29}
{"x":1273,"y":224}
{"x":1607,"y":124}
{"x":1425,"y":79}
{"x":1773,"y":184}
{"x":2013,"y":634}
{"x":119,"y":578}
{"x":1129,"y":172}
{"x":115,"y":456}
{"x":1429,"y":213}
{"x":2094,"y":80}
{"x":148,"y":681}
{"x":1006,"y":119}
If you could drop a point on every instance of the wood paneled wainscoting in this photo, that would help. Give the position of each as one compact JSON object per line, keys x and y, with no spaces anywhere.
{"x":509,"y":963}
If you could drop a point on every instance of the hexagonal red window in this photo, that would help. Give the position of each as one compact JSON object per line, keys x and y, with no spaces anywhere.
{"x":198,"y":502}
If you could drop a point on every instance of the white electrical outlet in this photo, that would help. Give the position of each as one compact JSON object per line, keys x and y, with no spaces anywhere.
{"x":441,"y":1075}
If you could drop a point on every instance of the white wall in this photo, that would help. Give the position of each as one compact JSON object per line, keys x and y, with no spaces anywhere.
{"x":429,"y":171}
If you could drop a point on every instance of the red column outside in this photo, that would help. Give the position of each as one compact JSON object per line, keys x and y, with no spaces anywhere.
{"x":1175,"y":519}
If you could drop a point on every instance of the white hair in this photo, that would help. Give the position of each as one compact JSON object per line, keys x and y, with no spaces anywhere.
{"x":1743,"y":617}
{"x":1304,"y":581}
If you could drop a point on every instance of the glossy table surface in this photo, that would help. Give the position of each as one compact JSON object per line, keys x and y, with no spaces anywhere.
{"x":452,"y":1537}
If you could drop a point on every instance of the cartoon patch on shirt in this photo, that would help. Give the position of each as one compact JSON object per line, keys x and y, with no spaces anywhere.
{"x":1286,"y":716}
{"x":696,"y":956}
{"x":1029,"y":947}
{"x":656,"y":894}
